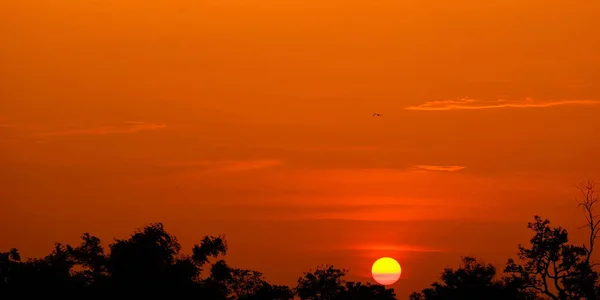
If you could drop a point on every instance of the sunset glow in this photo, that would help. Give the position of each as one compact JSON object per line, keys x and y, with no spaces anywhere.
{"x":254,"y":119}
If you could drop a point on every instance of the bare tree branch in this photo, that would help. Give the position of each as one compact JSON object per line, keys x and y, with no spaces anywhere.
{"x":588,"y":202}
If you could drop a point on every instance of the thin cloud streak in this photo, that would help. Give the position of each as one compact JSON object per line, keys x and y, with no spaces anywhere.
{"x":129,"y":127}
{"x":226,"y":166}
{"x":475,"y":104}
{"x":338,"y":212}
{"x":240,"y":166}
{"x":396,"y":248}
{"x":305,"y":210}
{"x":437,"y":168}
{"x":309,"y":148}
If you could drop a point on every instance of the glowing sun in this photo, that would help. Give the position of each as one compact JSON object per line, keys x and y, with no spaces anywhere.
{"x":386,"y":271}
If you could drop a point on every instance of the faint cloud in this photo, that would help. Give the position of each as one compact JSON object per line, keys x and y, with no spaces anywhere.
{"x":226,"y":166}
{"x":127,"y":127}
{"x":334,"y":148}
{"x":16,"y":132}
{"x":310,"y":148}
{"x":414,"y":213}
{"x":340,"y":211}
{"x":390,"y":247}
{"x":238,"y":166}
{"x":437,"y":168}
{"x":4,"y":123}
{"x":302,"y":211}
{"x":471,"y":104}
{"x":22,"y":127}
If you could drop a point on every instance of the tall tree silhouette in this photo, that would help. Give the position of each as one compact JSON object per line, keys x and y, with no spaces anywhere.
{"x":554,"y":267}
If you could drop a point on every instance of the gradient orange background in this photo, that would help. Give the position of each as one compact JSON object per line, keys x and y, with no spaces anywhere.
{"x":253,"y":119}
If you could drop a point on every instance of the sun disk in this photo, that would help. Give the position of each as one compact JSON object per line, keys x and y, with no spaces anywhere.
{"x":386,"y":271}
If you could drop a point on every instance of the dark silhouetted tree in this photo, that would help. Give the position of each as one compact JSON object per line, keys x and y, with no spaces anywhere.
{"x":554,"y":267}
{"x":359,"y":291}
{"x":245,"y":284}
{"x":273,"y":292}
{"x":11,"y":269}
{"x":327,"y":283}
{"x":89,"y":256}
{"x":209,"y":247}
{"x":149,"y":263}
{"x":472,"y":281}
{"x":146,"y":260}
{"x":52,"y":274}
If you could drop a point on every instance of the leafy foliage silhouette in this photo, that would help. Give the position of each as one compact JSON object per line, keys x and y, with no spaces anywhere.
{"x":473,"y":280}
{"x":551,"y":268}
{"x":150,"y":263}
{"x":327,"y":283}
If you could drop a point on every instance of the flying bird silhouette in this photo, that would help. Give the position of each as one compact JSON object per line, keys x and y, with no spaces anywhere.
{"x":376,"y":115}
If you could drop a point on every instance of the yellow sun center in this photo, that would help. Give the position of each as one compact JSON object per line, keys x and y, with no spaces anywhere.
{"x":386,"y":271}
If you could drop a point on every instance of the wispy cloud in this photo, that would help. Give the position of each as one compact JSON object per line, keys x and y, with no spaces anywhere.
{"x":240,"y":166}
{"x":226,"y":166}
{"x":408,"y":213}
{"x":309,"y":148}
{"x":23,"y":127}
{"x":472,"y":104}
{"x":126,"y":127}
{"x":390,"y":247}
{"x":402,"y":210}
{"x":297,"y":210}
{"x":4,"y":123}
{"x":437,"y":168}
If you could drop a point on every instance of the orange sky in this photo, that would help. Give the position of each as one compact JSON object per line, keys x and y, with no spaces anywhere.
{"x":253,"y":119}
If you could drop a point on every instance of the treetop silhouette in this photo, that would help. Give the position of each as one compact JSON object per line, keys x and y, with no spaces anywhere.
{"x":150,"y":262}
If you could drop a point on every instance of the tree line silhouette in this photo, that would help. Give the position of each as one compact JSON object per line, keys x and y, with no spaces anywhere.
{"x":150,"y":263}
